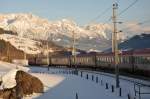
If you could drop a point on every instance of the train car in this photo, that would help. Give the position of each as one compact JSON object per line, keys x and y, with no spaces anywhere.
{"x":32,"y":61}
{"x":40,"y":61}
{"x":126,"y":61}
{"x":142,"y":60}
{"x":134,"y":61}
{"x":104,"y":60}
{"x":43,"y":61}
{"x":84,"y":60}
{"x":60,"y":61}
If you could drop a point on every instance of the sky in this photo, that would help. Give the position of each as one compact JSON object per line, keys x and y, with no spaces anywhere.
{"x":81,"y":11}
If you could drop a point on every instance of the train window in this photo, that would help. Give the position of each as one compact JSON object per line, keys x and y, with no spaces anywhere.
{"x":135,"y":59}
{"x":120,"y":59}
{"x":107,"y":59}
{"x":148,"y":58}
{"x":104,"y":59}
{"x":130,"y":60}
{"x":145,"y":60}
{"x":123,"y":59}
{"x":98,"y":59}
{"x":139,"y":59}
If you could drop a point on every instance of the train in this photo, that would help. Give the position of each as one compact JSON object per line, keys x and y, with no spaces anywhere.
{"x":132,"y":61}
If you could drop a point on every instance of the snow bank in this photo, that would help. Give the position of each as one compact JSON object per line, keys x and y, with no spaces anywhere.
{"x":23,"y":62}
{"x":8,"y":72}
{"x":49,"y":81}
{"x":8,"y":80}
{"x":5,"y":67}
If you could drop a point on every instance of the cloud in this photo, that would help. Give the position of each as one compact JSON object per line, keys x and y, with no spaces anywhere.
{"x":135,"y":28}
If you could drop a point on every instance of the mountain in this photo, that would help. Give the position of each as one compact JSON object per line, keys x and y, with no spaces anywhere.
{"x":13,"y":46}
{"x":6,"y":48}
{"x":136,"y":42}
{"x":24,"y":44}
{"x":89,"y":37}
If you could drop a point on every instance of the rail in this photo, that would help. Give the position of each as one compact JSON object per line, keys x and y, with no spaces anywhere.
{"x":138,"y":90}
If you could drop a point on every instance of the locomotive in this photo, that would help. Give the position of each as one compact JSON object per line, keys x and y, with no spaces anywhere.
{"x":134,"y":61}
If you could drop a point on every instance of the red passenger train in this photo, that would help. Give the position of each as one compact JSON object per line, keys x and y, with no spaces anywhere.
{"x":135,"y":61}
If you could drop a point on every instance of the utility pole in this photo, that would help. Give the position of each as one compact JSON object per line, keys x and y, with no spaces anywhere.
{"x":74,"y":53}
{"x":47,"y":52}
{"x":115,"y":43}
{"x":8,"y":52}
{"x":73,"y":48}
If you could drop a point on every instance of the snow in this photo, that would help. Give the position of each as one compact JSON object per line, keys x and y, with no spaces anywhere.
{"x":35,"y":26}
{"x":8,"y":80}
{"x":49,"y":81}
{"x":5,"y":67}
{"x":63,"y":84}
{"x":86,"y":89}
{"x":66,"y":87}
{"x":27,"y":45}
{"x":8,"y":73}
{"x":58,"y":40}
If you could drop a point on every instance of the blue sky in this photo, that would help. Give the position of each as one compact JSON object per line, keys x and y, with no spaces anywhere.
{"x":82,"y":11}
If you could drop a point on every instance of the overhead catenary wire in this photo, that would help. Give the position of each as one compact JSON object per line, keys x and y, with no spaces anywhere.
{"x":133,"y":3}
{"x":106,"y":10}
{"x":102,"y":13}
{"x":139,"y":23}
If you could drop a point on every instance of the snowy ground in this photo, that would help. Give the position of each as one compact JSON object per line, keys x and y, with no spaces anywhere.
{"x":69,"y":84}
{"x":5,"y":67}
{"x":63,"y":84}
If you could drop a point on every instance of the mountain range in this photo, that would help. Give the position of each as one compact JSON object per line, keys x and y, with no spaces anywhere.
{"x":90,"y":37}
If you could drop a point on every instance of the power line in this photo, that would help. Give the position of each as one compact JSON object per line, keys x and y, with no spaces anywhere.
{"x":133,"y":3}
{"x":101,"y":14}
{"x":140,"y":23}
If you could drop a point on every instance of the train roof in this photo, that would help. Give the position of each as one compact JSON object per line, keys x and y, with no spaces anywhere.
{"x":129,"y":52}
{"x":142,"y":51}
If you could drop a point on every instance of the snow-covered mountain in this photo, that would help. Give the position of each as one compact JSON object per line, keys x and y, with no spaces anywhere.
{"x":141,"y":41}
{"x":90,"y":37}
{"x":24,"y":44}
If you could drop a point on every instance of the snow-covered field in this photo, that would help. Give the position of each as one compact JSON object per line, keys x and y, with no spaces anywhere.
{"x":88,"y":88}
{"x":64,"y":84}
